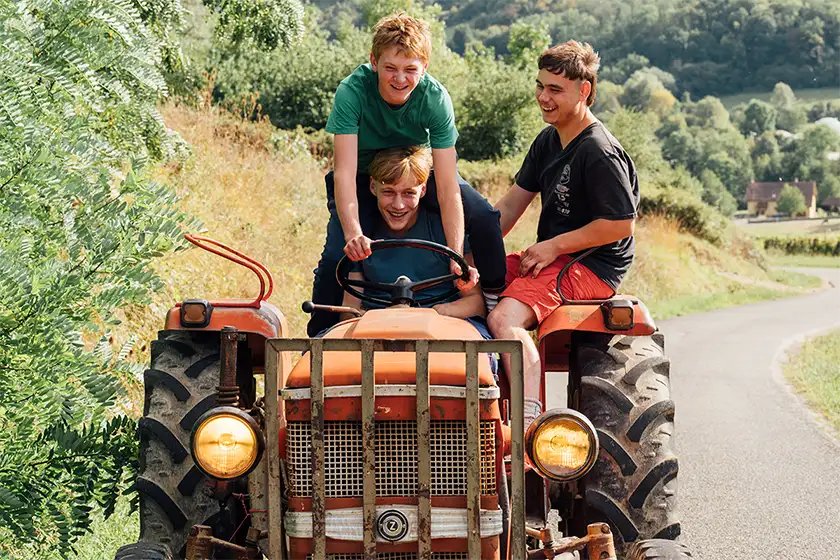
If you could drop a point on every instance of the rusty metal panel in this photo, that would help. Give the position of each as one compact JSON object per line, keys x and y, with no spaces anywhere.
{"x":473,"y":454}
{"x":386,"y":345}
{"x":319,"y":516}
{"x":424,"y":454}
{"x":517,"y":450}
{"x":368,"y":450}
{"x":273,"y":373}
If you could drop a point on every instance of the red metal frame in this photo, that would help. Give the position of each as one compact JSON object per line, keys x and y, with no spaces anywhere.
{"x":241,"y":259}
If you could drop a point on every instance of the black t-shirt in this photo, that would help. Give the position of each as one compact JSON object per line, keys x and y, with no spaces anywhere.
{"x":592,"y":178}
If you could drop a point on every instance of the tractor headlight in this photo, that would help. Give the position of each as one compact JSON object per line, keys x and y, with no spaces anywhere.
{"x":561,"y":444}
{"x":226,"y":443}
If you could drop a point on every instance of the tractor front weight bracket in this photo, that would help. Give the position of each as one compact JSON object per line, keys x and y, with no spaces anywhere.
{"x":201,"y":542}
{"x":598,"y":544}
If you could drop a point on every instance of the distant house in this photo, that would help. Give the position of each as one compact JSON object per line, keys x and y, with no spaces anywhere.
{"x":762,"y":197}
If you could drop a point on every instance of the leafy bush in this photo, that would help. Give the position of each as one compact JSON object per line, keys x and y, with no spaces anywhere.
{"x":496,"y":115}
{"x":81,"y":222}
{"x":295,"y":86}
{"x":791,"y":201}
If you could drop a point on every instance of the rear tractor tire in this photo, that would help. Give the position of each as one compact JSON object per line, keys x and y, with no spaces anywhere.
{"x":624,"y":389}
{"x":179,"y":387}
{"x":658,"y":549}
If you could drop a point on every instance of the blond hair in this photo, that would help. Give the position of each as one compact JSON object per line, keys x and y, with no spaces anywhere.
{"x":575,"y":61}
{"x":410,"y":35}
{"x":395,"y":164}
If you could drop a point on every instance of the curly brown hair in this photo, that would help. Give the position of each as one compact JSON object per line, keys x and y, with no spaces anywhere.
{"x":410,"y":35}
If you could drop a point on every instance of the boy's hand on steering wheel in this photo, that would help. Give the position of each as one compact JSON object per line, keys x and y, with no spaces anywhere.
{"x":464,"y":285}
{"x":357,"y":248}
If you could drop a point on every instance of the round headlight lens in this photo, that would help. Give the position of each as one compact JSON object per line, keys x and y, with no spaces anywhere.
{"x":225,"y":445}
{"x":562,"y":446}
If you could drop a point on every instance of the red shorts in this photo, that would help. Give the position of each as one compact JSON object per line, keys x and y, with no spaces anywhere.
{"x":540,"y":293}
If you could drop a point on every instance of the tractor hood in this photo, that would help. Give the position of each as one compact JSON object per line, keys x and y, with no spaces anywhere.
{"x":396,"y":368}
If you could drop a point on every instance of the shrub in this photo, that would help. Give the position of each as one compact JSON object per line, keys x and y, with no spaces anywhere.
{"x":801,"y":245}
{"x":81,"y":222}
{"x":497,"y":115}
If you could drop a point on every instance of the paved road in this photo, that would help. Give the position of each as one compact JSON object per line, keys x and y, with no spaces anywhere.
{"x":759,"y":479}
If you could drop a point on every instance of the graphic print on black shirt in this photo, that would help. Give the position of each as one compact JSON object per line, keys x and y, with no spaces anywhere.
{"x":592,"y":178}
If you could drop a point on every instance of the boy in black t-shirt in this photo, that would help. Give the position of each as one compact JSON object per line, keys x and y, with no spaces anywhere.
{"x":589,"y":192}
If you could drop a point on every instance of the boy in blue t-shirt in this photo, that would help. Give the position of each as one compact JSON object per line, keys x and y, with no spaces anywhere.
{"x":398,"y":181}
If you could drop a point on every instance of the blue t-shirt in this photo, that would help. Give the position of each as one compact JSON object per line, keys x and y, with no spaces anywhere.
{"x":386,"y":265}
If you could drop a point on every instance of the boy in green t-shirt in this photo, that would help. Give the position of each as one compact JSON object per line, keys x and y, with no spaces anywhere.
{"x":389,"y":103}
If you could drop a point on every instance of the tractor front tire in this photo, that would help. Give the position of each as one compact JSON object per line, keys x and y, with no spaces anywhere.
{"x":624,"y":389}
{"x":144,"y":551}
{"x":179,"y":387}
{"x":658,"y":549}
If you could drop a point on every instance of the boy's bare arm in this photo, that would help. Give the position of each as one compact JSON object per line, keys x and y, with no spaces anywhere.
{"x":469,"y":303}
{"x":512,"y":205}
{"x":346,"y":202}
{"x":594,"y":234}
{"x":449,"y":197}
{"x":352,"y":301}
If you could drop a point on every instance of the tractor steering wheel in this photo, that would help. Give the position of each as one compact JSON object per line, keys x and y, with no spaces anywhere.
{"x":402,"y":290}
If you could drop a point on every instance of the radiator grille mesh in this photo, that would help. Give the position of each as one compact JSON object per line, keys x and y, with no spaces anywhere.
{"x":396,"y":458}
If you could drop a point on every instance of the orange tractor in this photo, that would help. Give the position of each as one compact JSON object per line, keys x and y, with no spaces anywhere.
{"x":391,"y":437}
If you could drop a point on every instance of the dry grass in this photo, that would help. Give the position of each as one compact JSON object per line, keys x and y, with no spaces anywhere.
{"x":254,"y":188}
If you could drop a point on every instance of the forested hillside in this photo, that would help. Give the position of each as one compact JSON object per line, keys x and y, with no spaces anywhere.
{"x":712,"y":47}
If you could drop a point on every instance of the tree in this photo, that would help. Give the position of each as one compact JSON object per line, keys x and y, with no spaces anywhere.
{"x":81,"y":222}
{"x":639,"y":89}
{"x":791,"y":201}
{"x":792,"y":118}
{"x":782,"y":96}
{"x":758,"y":117}
{"x":624,"y":68}
{"x":709,"y":112}
{"x":525,"y":44}
{"x":715,"y":194}
{"x":496,"y":113}
{"x":607,"y":98}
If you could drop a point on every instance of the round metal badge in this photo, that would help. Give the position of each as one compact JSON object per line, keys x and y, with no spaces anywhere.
{"x":392,"y":525}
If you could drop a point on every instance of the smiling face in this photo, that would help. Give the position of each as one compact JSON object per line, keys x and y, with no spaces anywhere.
{"x":399,"y":202}
{"x":398,"y":74}
{"x":560,"y":99}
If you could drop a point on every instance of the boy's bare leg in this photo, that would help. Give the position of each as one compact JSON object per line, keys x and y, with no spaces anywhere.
{"x":510,"y":320}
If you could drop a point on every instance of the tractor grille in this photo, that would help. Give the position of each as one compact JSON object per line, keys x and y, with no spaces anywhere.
{"x":397,"y":556}
{"x":396,"y":459}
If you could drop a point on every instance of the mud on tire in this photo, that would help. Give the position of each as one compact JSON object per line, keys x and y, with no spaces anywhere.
{"x":180,"y":386}
{"x":625,"y":391}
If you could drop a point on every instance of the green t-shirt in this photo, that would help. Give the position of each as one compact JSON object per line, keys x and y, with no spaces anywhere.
{"x":425,"y":119}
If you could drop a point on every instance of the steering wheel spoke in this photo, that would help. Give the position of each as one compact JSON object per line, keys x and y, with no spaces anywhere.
{"x":432,"y":282}
{"x":381,"y":286}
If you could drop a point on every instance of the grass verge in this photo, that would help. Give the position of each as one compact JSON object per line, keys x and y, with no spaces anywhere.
{"x":803,"y":261}
{"x":107,"y":535}
{"x":814,"y":374}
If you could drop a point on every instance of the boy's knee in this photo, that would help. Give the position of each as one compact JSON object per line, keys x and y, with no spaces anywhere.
{"x":500,"y":320}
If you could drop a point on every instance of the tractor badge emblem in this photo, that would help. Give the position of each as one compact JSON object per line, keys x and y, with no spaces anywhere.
{"x":392,"y":525}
